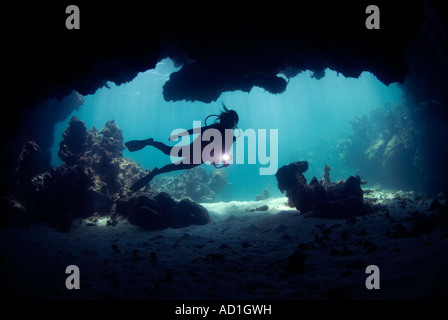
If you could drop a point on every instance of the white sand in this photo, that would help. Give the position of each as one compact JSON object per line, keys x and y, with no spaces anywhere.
{"x":239,"y":255}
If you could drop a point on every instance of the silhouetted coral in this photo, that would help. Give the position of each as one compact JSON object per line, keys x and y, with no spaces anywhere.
{"x":93,"y":181}
{"x":342,"y":199}
{"x":29,"y":164}
{"x":397,"y":148}
{"x":74,"y":143}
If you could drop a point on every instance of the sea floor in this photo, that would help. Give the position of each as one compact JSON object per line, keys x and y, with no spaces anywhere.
{"x":242,"y":254}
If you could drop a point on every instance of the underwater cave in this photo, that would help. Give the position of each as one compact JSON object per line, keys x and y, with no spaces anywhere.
{"x":336,"y":160}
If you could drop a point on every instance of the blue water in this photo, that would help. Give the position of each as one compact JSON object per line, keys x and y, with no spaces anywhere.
{"x":310,"y":116}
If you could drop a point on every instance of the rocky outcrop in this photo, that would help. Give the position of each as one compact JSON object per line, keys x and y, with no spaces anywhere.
{"x":74,"y":144}
{"x":399,"y":148}
{"x":93,"y":180}
{"x":158,"y":211}
{"x":29,"y":164}
{"x":342,"y":199}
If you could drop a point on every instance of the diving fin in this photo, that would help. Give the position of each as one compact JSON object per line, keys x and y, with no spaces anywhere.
{"x":135,"y":145}
{"x":140,"y":183}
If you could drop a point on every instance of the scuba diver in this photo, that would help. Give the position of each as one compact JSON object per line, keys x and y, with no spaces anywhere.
{"x":225,"y":123}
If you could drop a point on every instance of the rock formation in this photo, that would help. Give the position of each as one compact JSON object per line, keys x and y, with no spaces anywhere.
{"x":29,"y":164}
{"x":154,"y":210}
{"x":342,"y":199}
{"x":399,"y":148}
{"x":93,"y":180}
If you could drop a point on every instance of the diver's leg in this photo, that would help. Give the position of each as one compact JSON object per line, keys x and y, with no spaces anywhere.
{"x":162,"y":147}
{"x":167,"y":168}
{"x":140,"y":183}
{"x":173,"y":167}
{"x":135,"y":145}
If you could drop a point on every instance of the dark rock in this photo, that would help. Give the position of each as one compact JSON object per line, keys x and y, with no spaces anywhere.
{"x":263,"y":208}
{"x":288,"y":176}
{"x":63,"y":194}
{"x":292,"y":181}
{"x":170,"y":209}
{"x":144,"y":211}
{"x":195,"y":213}
{"x":148,"y":218}
{"x":342,"y":199}
{"x":90,"y":181}
{"x":29,"y":164}
{"x":147,"y":201}
{"x":74,"y":143}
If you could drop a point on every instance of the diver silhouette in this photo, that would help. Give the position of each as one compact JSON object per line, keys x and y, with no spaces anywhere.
{"x":225,"y":123}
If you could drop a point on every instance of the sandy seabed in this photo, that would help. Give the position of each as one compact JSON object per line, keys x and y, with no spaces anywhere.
{"x":241,"y":254}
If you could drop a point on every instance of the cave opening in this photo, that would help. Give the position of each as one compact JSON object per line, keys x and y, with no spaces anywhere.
{"x":316,"y":117}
